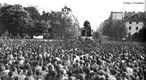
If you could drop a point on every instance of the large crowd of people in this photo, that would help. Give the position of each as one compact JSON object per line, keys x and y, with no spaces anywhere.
{"x":71,"y":60}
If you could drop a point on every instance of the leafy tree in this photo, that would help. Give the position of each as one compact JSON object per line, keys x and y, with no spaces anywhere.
{"x":115,"y":30}
{"x":39,"y":28}
{"x":15,"y":19}
{"x":33,"y":12}
{"x":96,"y":35}
{"x":68,"y":27}
{"x":105,"y":29}
{"x":2,"y":30}
{"x":140,"y":36}
{"x":118,"y":31}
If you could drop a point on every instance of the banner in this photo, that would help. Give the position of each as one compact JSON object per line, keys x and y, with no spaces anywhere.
{"x":38,"y":37}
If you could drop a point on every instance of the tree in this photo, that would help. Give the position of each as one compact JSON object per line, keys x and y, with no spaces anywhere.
{"x":118,"y":31}
{"x":140,"y":36}
{"x":39,"y":28}
{"x":96,"y":35}
{"x":115,"y":30}
{"x":42,"y":27}
{"x":68,"y":27}
{"x":2,"y":30}
{"x":15,"y":19}
{"x":33,"y":12}
{"x":105,"y":28}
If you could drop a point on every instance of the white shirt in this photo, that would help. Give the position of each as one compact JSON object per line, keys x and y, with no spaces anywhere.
{"x":111,"y":77}
{"x":129,"y":71}
{"x":21,"y":77}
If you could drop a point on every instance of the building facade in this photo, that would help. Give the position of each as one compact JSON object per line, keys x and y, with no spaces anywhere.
{"x":133,"y":27}
{"x":115,"y":16}
{"x":46,"y":18}
{"x":66,"y":12}
{"x":132,"y":20}
{"x":134,"y":24}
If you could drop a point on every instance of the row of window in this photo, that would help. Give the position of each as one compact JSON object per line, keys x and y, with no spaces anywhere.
{"x":66,"y":13}
{"x":45,"y":20}
{"x":131,"y":22}
{"x":135,"y":28}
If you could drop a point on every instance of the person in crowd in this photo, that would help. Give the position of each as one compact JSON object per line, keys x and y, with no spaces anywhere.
{"x":29,"y":75}
{"x":71,"y":60}
{"x":10,"y":76}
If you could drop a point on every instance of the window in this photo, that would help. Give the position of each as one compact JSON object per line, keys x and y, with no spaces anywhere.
{"x":136,"y":28}
{"x":129,"y":22}
{"x":129,"y":28}
{"x":46,"y":20}
{"x":65,"y":10}
{"x":137,"y":22}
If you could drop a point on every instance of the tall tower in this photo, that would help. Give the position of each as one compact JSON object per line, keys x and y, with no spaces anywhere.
{"x":66,"y":12}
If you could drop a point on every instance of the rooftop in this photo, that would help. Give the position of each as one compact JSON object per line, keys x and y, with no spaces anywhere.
{"x":46,"y":16}
{"x":65,"y":7}
{"x":135,"y":18}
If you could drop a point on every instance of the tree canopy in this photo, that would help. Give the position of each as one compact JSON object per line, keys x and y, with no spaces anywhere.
{"x":18,"y":20}
{"x":68,"y":27}
{"x":114,"y":30}
{"x":15,"y":19}
{"x":141,"y":35}
{"x":33,"y":12}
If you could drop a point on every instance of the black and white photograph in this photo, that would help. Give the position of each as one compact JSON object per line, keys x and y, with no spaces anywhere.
{"x":72,"y":39}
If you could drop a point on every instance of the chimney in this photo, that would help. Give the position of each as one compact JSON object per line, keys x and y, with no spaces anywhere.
{"x":44,"y":12}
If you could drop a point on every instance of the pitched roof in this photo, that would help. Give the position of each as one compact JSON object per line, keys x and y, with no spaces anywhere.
{"x":56,"y":15}
{"x":46,"y":16}
{"x":65,"y":7}
{"x":135,"y":18}
{"x":129,"y":14}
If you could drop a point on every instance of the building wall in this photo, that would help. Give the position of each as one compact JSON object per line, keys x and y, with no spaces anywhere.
{"x":46,"y":21}
{"x":117,"y":15}
{"x":133,"y":27}
{"x":65,"y":12}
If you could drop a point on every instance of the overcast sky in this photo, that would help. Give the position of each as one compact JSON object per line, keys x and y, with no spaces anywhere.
{"x":95,"y":11}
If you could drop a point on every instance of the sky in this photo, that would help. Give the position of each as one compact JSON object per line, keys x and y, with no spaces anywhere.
{"x":95,"y":11}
